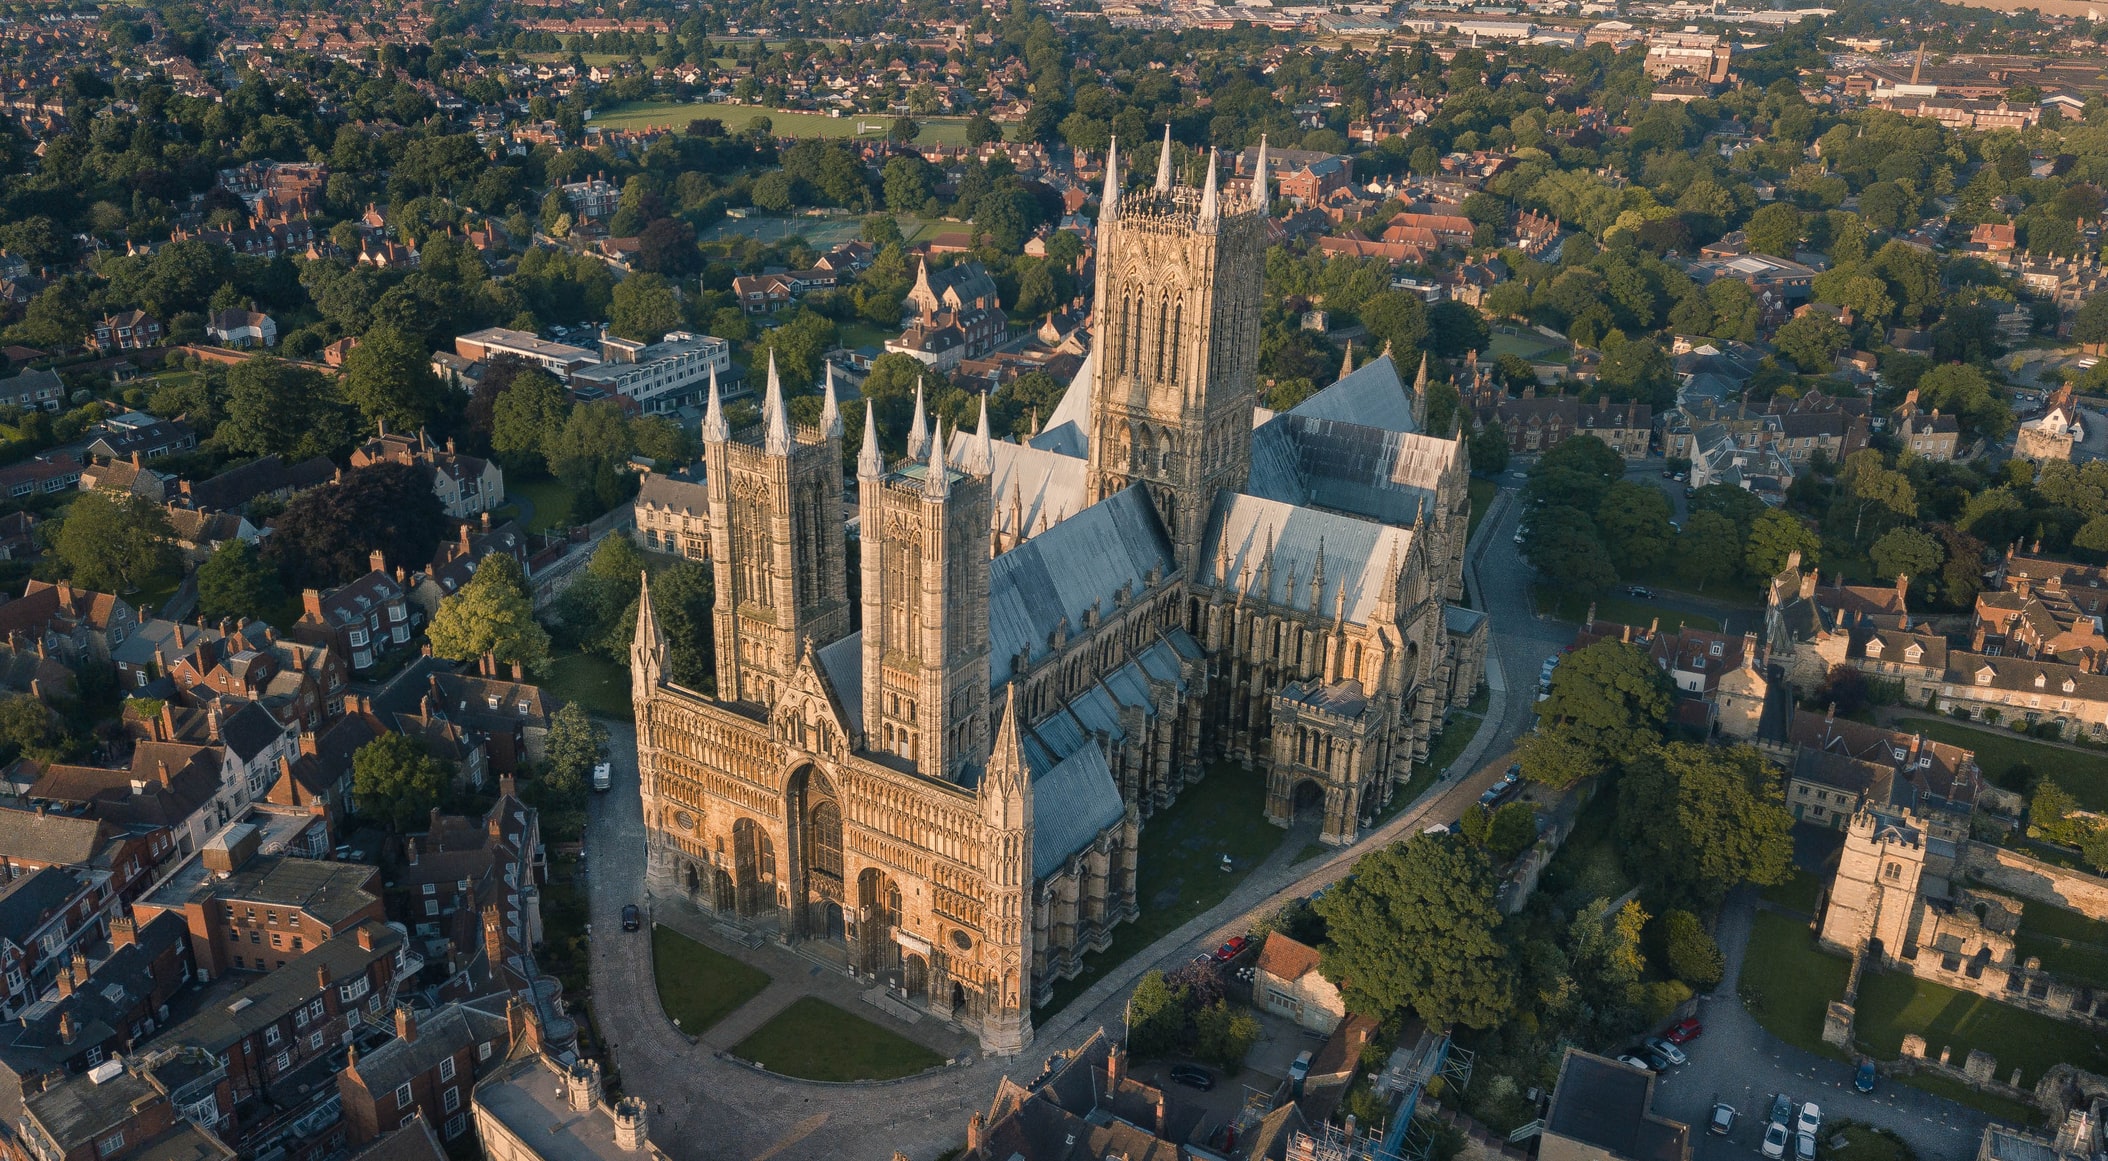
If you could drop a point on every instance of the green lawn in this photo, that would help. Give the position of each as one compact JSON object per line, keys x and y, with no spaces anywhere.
{"x":601,"y":685}
{"x":2083,"y":773}
{"x":1892,"y":1004}
{"x":1865,"y":1143}
{"x":1788,"y":982}
{"x":1800,"y":892}
{"x":1572,"y":606}
{"x":814,"y":1040}
{"x":677,"y":115}
{"x":1180,"y":873}
{"x":1526,"y":343}
{"x":2067,"y":942}
{"x":698,"y":986}
{"x":1482,"y":493}
{"x":551,"y":500}
{"x":863,"y":334}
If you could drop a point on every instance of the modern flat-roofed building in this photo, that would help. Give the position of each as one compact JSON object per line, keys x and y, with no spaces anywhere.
{"x":1604,"y":1111}
{"x":659,"y":377}
{"x":559,"y":359}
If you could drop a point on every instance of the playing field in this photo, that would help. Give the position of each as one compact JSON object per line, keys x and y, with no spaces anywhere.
{"x":677,"y":114}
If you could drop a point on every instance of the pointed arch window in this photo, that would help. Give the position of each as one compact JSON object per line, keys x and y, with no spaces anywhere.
{"x":1163,"y":326}
{"x":1178,"y":322}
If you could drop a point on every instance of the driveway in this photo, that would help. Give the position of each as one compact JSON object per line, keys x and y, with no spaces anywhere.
{"x":1738,"y":1062}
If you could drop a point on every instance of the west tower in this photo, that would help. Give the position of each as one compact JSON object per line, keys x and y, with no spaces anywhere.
{"x":1173,"y":383}
{"x":776,"y":541}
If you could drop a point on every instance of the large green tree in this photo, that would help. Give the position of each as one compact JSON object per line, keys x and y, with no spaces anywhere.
{"x":1694,"y":821}
{"x":575,"y":745}
{"x":328,"y":535}
{"x":277,"y":408}
{"x":393,"y":777}
{"x":1774,"y":536}
{"x":115,"y":541}
{"x":236,"y":582}
{"x":492,"y":615}
{"x":1607,"y":706}
{"x":1416,"y":930}
{"x":389,"y":378}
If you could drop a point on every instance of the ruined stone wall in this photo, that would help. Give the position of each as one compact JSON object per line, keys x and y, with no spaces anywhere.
{"x":2032,"y":879}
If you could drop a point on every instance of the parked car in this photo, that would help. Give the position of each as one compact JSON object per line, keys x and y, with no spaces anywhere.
{"x":632,"y":919}
{"x":1641,"y":591}
{"x":603,"y":776}
{"x":1667,"y":1049}
{"x":1782,"y":1110}
{"x":1775,"y":1140}
{"x":1635,"y":1062}
{"x":1685,"y":1031}
{"x":1863,"y":1080}
{"x":1655,"y":1060}
{"x":1811,"y":1121}
{"x":1438,"y":828}
{"x":1722,"y":1122}
{"x":1804,"y":1147}
{"x":1301,"y":1067}
{"x":1230,"y":950}
{"x":1193,"y":1076}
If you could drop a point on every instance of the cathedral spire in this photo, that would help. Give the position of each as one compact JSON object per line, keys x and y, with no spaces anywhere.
{"x":830,"y":413}
{"x":984,"y":445}
{"x":1109,"y":201}
{"x":779,"y":436}
{"x":918,"y":427}
{"x":1006,"y":793}
{"x":647,"y":651}
{"x":937,"y":482}
{"x":1259,"y":198}
{"x":714,"y":427}
{"x":1209,"y":212}
{"x":1420,"y":393}
{"x":1317,"y":578}
{"x":869,"y":464}
{"x":1163,"y":163}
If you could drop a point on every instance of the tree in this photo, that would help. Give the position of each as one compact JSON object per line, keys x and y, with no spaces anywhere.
{"x":1454,"y":327}
{"x":574,"y":746}
{"x":1965,"y":392}
{"x":276,"y":408}
{"x":1776,"y":535}
{"x":524,"y":418}
{"x":1223,"y":1034}
{"x":1607,"y":706}
{"x":588,"y":454}
{"x":1871,"y":489}
{"x":1489,"y":449}
{"x":1156,"y":1016}
{"x":667,"y":246}
{"x":115,"y":540}
{"x":1906,"y":551}
{"x":1775,"y":229}
{"x":389,"y":378}
{"x":28,"y":725}
{"x":1399,"y":320}
{"x":2091,"y":325}
{"x":1709,"y":549}
{"x":1690,"y":951}
{"x":393,"y":777}
{"x":1813,"y":341}
{"x":1512,"y":830}
{"x":327,"y":535}
{"x":2049,"y":815}
{"x":491,"y":616}
{"x":644,"y":308}
{"x":1416,"y":929}
{"x":235,"y":582}
{"x":1634,"y":520}
{"x":1694,"y":821}
{"x":1563,"y":545}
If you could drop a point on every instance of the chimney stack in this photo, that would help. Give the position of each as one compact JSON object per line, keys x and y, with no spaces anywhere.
{"x":405,"y":1024}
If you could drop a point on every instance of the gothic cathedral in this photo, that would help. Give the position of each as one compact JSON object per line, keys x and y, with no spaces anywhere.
{"x":943,"y":787}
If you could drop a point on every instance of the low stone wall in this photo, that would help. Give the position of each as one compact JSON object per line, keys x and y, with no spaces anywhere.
{"x":2032,"y":879}
{"x":1979,"y":1071}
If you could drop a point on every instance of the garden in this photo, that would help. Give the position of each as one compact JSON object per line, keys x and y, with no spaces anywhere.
{"x":699,"y":986}
{"x":814,"y":1040}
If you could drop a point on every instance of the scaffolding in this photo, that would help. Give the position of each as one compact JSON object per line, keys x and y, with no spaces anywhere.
{"x":1408,"y":1072}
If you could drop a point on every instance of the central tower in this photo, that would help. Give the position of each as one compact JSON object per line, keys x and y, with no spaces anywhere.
{"x":1173,"y":383}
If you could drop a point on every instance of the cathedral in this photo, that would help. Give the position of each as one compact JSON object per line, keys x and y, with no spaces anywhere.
{"x":940,"y":782}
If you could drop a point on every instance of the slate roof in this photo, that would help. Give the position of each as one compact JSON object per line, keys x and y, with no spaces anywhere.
{"x":1072,"y":803}
{"x":1068,"y":430}
{"x":67,"y":840}
{"x":276,"y":994}
{"x":249,"y":731}
{"x":1030,"y":488}
{"x":78,"y":1110}
{"x":842,"y":663}
{"x":1349,"y":467}
{"x":1606,"y":1104}
{"x":1062,"y":572}
{"x":1372,"y":395}
{"x":29,"y":899}
{"x":439,"y":1035}
{"x":1357,"y":554}
{"x":414,"y":1141}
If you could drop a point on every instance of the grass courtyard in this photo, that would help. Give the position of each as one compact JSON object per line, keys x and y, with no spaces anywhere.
{"x":1893,"y":1005}
{"x":1180,"y":873}
{"x":588,"y":678}
{"x":814,"y":1040}
{"x":2067,"y":942}
{"x":1788,"y":982}
{"x":2083,"y":773}
{"x":1525,"y":343}
{"x":698,"y":986}
{"x":677,"y":114}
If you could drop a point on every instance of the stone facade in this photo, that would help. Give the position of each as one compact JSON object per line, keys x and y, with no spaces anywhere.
{"x":1054,"y":638}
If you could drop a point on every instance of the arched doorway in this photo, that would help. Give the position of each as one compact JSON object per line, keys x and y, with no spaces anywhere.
{"x":820,"y":853}
{"x":915,"y":978}
{"x":753,"y":868}
{"x":878,"y":911}
{"x":1307,"y":801}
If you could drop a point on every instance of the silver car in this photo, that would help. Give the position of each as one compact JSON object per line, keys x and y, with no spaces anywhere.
{"x":1775,"y":1140}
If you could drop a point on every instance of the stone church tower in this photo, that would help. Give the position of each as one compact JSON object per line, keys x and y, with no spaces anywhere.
{"x":1175,"y":377}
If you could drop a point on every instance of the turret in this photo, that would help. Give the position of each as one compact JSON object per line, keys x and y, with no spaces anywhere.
{"x":777,"y":441}
{"x":1005,"y":800}
{"x":918,"y":427}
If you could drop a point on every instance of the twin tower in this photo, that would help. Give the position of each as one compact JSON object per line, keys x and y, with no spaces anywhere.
{"x":1171,"y":389}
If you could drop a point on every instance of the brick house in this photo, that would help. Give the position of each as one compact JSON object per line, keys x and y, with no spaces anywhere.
{"x":127,"y":330}
{"x":360,"y":620}
{"x":250,"y":912}
{"x":428,"y":1070}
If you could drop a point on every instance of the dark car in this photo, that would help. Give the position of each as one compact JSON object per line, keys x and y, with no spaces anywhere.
{"x":1863,"y":1080}
{"x":632,"y":919}
{"x":1193,"y":1076}
{"x":1722,"y":1121}
{"x":1655,"y":1060}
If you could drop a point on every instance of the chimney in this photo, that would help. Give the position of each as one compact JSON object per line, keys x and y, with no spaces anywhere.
{"x":519,"y":672}
{"x":493,"y":936}
{"x":405,"y":1024}
{"x":212,"y":721}
{"x":378,"y":560}
{"x":66,"y":1032}
{"x":973,"y":1132}
{"x":311,"y":603}
{"x":65,"y":982}
{"x":80,"y":968}
{"x":1809,"y":580}
{"x":123,"y":932}
{"x":507,"y":788}
{"x":1115,"y":1068}
{"x":1793,"y":559}
{"x":410,"y":849}
{"x":365,"y":937}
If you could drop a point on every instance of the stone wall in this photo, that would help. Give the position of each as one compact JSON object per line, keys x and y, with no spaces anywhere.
{"x":1979,"y":1071}
{"x":2032,"y":879}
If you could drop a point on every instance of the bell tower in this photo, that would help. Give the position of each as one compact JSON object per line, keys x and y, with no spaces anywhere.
{"x":776,"y":542}
{"x":1173,"y":383}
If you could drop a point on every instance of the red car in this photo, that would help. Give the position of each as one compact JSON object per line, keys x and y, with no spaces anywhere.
{"x":1687,"y":1030}
{"x":1230,"y":950}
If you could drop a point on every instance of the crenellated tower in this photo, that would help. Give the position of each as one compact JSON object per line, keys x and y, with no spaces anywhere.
{"x":1173,"y":383}
{"x":924,"y":532}
{"x":776,"y":543}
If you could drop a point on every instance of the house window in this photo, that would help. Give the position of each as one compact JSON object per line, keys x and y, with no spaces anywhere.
{"x":110,"y":1144}
{"x":456,"y":1125}
{"x":283,"y":1061}
{"x":446,"y":1069}
{"x":402,"y":1095}
{"x":314,"y":1042}
{"x":453,"y":1099}
{"x":271,"y":1036}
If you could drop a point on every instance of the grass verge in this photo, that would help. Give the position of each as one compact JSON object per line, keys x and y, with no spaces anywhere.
{"x":602,"y":686}
{"x":1572,"y":606}
{"x":2083,"y":773}
{"x":814,"y":1040}
{"x":1893,"y":1005}
{"x":1799,"y":893}
{"x":1180,"y":873}
{"x":1788,"y":982}
{"x":699,"y":986}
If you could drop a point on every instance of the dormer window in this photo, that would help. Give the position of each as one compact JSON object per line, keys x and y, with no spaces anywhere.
{"x":1983,"y":676}
{"x":1913,"y":653}
{"x":2041,"y":679}
{"x":1873,"y":647}
{"x":1714,"y":649}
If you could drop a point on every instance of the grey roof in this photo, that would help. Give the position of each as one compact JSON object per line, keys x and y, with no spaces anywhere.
{"x":1084,"y":560}
{"x":526,"y":1096}
{"x":250,"y":731}
{"x":414,"y":1141}
{"x":1373,"y":395}
{"x":1028,"y":486}
{"x":1350,"y":467}
{"x":1072,"y":803}
{"x":1460,"y":621}
{"x":274,"y":996}
{"x":27,"y":836}
{"x":842,"y":663}
{"x":1358,"y":554}
{"x":26,"y":901}
{"x":1068,"y":430}
{"x":439,"y":1035}
{"x":78,"y":1110}
{"x":664,"y":492}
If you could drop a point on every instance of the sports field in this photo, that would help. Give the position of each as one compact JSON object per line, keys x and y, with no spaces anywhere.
{"x":677,"y":114}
